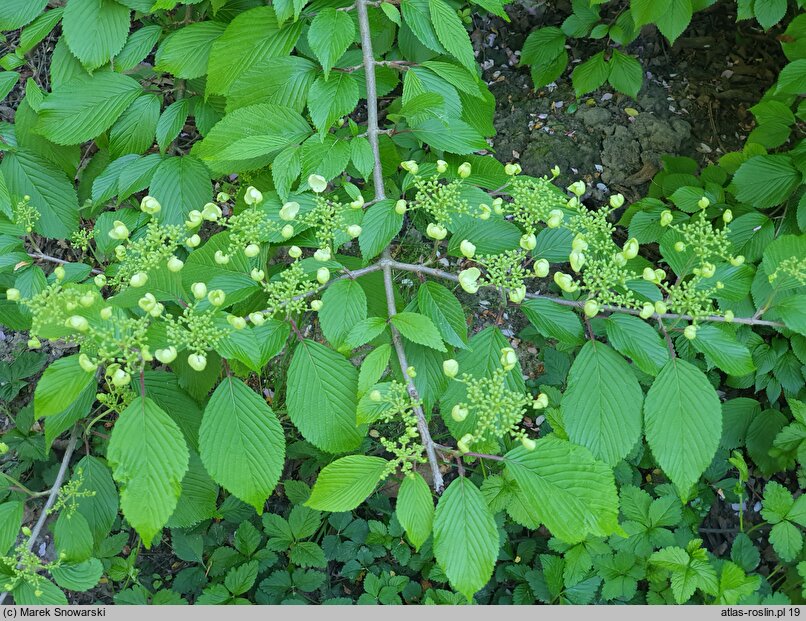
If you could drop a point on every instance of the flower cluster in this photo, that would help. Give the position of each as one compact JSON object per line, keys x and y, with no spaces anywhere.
{"x":327,"y":218}
{"x":288,"y":291}
{"x":534,"y":200}
{"x":197,"y":329}
{"x":404,"y":447}
{"x":496,"y":410}
{"x":504,"y":271}
{"x":24,"y":214}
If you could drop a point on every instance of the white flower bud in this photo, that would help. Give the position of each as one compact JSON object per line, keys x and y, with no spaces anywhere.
{"x":119,"y":231}
{"x":737,"y":260}
{"x":166,"y":355}
{"x":442,"y":166}
{"x":707,"y":270}
{"x":468,"y":279}
{"x":287,"y":231}
{"x":577,"y":188}
{"x":648,"y":274}
{"x":199,"y":290}
{"x":217,"y":297}
{"x":99,"y":280}
{"x":509,"y":359}
{"x":591,"y":308}
{"x":464,"y":170}
{"x":150,"y":205}
{"x":147,"y":302}
{"x":555,"y":219}
{"x":289,"y":211}
{"x":13,"y":294}
{"x":485,"y":212}
{"x":516,"y":296}
{"x":541,"y":268}
{"x":376,"y":396}
{"x":86,"y":364}
{"x":317,"y":183}
{"x":528,"y":443}
{"x":295,"y":252}
{"x":436,"y":231}
{"x":251,"y":250}
{"x":579,"y":244}
{"x":690,"y":332}
{"x":175,"y":264}
{"x":541,"y":402}
{"x":703,"y":203}
{"x":222,"y":197}
{"x":410,"y":166}
{"x":666,"y":217}
{"x":322,"y":275}
{"x":239,"y":323}
{"x":59,"y":272}
{"x":257,"y":275}
{"x":565,"y":282}
{"x":660,"y":307}
{"x":316,"y":305}
{"x":459,"y":413}
{"x":193,"y":241}
{"x":528,"y":241}
{"x":322,"y":254}
{"x":211,"y":212}
{"x":512,"y":169}
{"x":121,"y":378}
{"x":616,"y":201}
{"x":221,"y":258}
{"x":252,"y":196}
{"x":727,"y":216}
{"x":257,"y":319}
{"x":139,"y":279}
{"x":577,"y":260}
{"x":467,"y":248}
{"x":631,"y":248}
{"x":354,"y":230}
{"x":358,"y":203}
{"x":464,"y":443}
{"x":106,"y":313}
{"x":194,"y":220}
{"x":400,"y":207}
{"x":450,"y":367}
{"x":555,"y":171}
{"x":197,"y":362}
{"x":647,"y":310}
{"x":729,"y":316}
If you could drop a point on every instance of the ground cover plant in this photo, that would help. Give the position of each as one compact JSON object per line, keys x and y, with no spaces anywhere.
{"x":295,"y":335}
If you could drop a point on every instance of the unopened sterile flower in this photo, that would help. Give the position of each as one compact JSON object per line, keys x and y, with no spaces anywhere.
{"x":322,"y":275}
{"x":436,"y":231}
{"x":450,"y":367}
{"x":150,"y":205}
{"x":251,"y":250}
{"x":464,"y":170}
{"x":211,"y":212}
{"x":289,"y":211}
{"x":252,"y":196}
{"x":468,"y":279}
{"x":467,"y":248}
{"x":528,"y":241}
{"x":322,"y":254}
{"x":317,"y":183}
{"x":541,"y":268}
{"x":509,"y":359}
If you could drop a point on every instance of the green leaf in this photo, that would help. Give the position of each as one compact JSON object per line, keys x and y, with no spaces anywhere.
{"x":344,"y":305}
{"x":415,"y":508}
{"x":378,"y":228}
{"x":345,"y":483}
{"x":72,"y":537}
{"x":44,"y":593}
{"x":250,"y":38}
{"x":101,"y":508}
{"x":674,"y":19}
{"x":452,"y":135}
{"x":766,"y":180}
{"x":442,"y":307}
{"x":96,"y":45}
{"x":417,"y":16}
{"x":78,"y":576}
{"x":465,"y":537}
{"x":180,"y":184}
{"x":769,"y":12}
{"x":331,"y":99}
{"x":134,"y":131}
{"x":791,"y":78}
{"x":86,"y":107}
{"x":543,"y":75}
{"x":373,"y":367}
{"x":626,"y":74}
{"x":602,"y":404}
{"x":185,"y":52}
{"x":321,"y":400}
{"x":60,"y":386}
{"x":451,"y":33}
{"x":284,"y":81}
{"x":15,"y":14}
{"x":138,"y":47}
{"x":248,"y":138}
{"x":170,"y":123}
{"x":52,"y":194}
{"x":647,"y":11}
{"x":241,"y":443}
{"x":11,"y":513}
{"x":786,"y":540}
{"x":573,"y":494}
{"x":639,"y":341}
{"x":554,"y":321}
{"x":240,"y":579}
{"x":683,"y":421}
{"x":149,"y":458}
{"x":329,"y":36}
{"x":418,"y":329}
{"x":8,"y":79}
{"x":721,"y":347}
{"x":792,"y":313}
{"x":254,"y":346}
{"x":590,"y":75}
{"x":543,"y":46}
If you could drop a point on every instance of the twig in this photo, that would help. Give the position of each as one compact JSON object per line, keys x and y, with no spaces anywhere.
{"x":46,"y":257}
{"x":54,"y":492}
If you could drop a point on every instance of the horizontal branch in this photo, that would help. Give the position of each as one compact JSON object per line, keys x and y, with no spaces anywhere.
{"x":46,"y":257}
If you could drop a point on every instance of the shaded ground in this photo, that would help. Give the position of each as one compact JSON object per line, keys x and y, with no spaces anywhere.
{"x":694,"y":101}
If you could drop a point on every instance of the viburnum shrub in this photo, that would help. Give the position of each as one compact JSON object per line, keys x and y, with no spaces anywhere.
{"x":280,"y":289}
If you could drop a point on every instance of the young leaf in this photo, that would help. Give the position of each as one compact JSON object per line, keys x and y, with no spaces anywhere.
{"x":329,"y":36}
{"x":138,"y":47}
{"x":15,"y":14}
{"x":380,"y":225}
{"x":465,"y":537}
{"x":766,"y":180}
{"x":415,"y":508}
{"x":542,"y":46}
{"x":345,"y":483}
{"x":95,"y":45}
{"x":344,"y":306}
{"x":149,"y":458}
{"x":134,"y":131}
{"x":242,"y":443}
{"x":602,"y":405}
{"x":675,"y":19}
{"x":590,"y":75}
{"x":451,"y":33}
{"x":61,"y":384}
{"x":373,"y":367}
{"x":683,"y":421}
{"x":101,"y":507}
{"x":322,"y":387}
{"x":636,"y":339}
{"x":419,"y":329}
{"x":170,"y":123}
{"x":185,"y":52}
{"x":11,"y":513}
{"x":442,"y":307}
{"x":722,"y":349}
{"x":180,"y":184}
{"x":626,"y":74}
{"x":554,"y":321}
{"x":331,"y":99}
